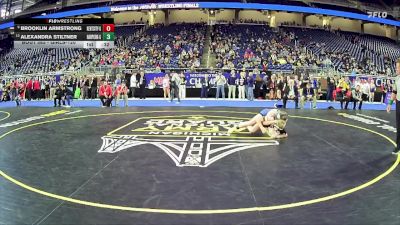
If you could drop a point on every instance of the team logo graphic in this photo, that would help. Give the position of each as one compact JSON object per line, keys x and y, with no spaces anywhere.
{"x":188,"y":140}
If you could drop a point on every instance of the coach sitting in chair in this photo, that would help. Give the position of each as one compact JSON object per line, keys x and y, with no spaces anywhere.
{"x":309,"y":94}
{"x":356,"y":96}
{"x":290,"y":91}
{"x":59,"y":95}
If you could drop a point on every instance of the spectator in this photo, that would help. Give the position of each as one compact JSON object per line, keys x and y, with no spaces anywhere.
{"x":271,"y":87}
{"x":366,"y":90}
{"x":1,"y":91}
{"x":22,"y":84}
{"x":29,"y":88}
{"x":342,"y":91}
{"x":372,"y":88}
{"x":232,"y":85}
{"x":182,"y":88}
{"x":308,"y":94}
{"x":47,"y":89}
{"x":42,"y":89}
{"x":134,"y":83}
{"x":36,"y":88}
{"x":174,"y":84}
{"x":241,"y":83}
{"x":152,"y":85}
{"x":166,"y":88}
{"x":220,"y":80}
{"x":279,"y":86}
{"x":245,"y":83}
{"x":142,"y":85}
{"x":69,"y":84}
{"x":14,"y":89}
{"x":356,"y":97}
{"x":20,"y":92}
{"x":53,"y":87}
{"x":81,"y":83}
{"x":316,"y":84}
{"x":58,"y":95}
{"x":304,"y":80}
{"x":93,"y":88}
{"x":297,"y":82}
{"x":5,"y":95}
{"x":290,"y":91}
{"x":205,"y":84}
{"x":250,"y":87}
{"x":122,"y":92}
{"x":258,"y":87}
{"x":118,"y":80}
{"x":385,"y":90}
{"x":85,"y":88}
{"x":330,"y":88}
{"x":357,"y":82}
{"x":68,"y":95}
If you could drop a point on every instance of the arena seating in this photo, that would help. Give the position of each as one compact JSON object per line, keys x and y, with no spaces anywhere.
{"x":247,"y":45}
{"x":366,"y":54}
{"x":172,"y":46}
{"x":22,"y":61}
{"x":5,"y":45}
{"x":251,"y":46}
{"x":126,"y":34}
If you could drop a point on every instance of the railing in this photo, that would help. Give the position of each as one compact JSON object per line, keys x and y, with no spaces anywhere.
{"x":23,"y":76}
{"x":364,"y":75}
{"x":114,"y":70}
{"x":120,"y":69}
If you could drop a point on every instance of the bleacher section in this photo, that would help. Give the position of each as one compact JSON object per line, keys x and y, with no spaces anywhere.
{"x":235,"y":46}
{"x":366,"y":54}
{"x":23,"y":61}
{"x":173,"y":46}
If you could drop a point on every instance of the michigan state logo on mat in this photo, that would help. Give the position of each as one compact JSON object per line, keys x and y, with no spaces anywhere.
{"x":188,"y":140}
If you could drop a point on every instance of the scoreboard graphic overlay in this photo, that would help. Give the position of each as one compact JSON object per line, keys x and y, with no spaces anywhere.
{"x":64,"y":33}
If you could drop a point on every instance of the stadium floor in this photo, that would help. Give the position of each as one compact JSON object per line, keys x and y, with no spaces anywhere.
{"x":194,"y":102}
{"x":130,"y":166}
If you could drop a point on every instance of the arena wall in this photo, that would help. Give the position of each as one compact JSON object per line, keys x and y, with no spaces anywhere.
{"x":375,"y":29}
{"x":196,"y":16}
{"x":346,"y":24}
{"x":225,"y":15}
{"x":128,"y":17}
{"x":391,"y":32}
{"x":159,"y":17}
{"x":188,"y":16}
{"x":313,"y":20}
{"x":253,"y":15}
{"x":281,"y":17}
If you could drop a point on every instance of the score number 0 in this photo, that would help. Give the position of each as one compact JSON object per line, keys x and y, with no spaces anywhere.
{"x":108,"y":27}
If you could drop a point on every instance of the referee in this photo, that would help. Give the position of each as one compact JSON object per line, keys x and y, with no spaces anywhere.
{"x":396,"y":96}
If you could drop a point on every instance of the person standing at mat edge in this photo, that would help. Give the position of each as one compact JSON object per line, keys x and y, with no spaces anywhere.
{"x":396,"y":96}
{"x":174,"y":84}
{"x":142,"y":85}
